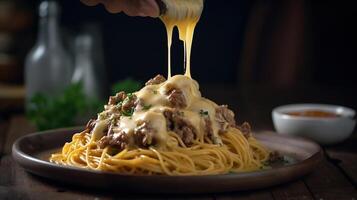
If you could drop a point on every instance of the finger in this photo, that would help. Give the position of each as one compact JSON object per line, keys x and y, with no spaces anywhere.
{"x":142,"y":8}
{"x":114,"y":6}
{"x":90,"y":2}
{"x":150,"y":8}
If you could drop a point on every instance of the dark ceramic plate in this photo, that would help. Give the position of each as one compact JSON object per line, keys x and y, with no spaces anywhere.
{"x":32,"y":153}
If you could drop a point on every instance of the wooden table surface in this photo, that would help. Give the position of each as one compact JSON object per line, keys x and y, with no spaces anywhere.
{"x":335,"y":178}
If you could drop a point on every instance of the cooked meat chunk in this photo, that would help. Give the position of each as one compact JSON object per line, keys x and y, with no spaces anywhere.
{"x":140,"y":105}
{"x":225,"y":117}
{"x":208,"y":127}
{"x":156,"y":80}
{"x":117,"y":140}
{"x":90,"y":125}
{"x":245,"y":129}
{"x":187,"y":134}
{"x":183,"y":128}
{"x":129,"y":103}
{"x":176,"y":98}
{"x":143,"y":135}
{"x":120,"y":96}
{"x":275,"y":157}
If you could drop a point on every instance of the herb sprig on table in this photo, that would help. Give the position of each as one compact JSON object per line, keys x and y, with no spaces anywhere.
{"x":128,"y":85}
{"x":48,"y":112}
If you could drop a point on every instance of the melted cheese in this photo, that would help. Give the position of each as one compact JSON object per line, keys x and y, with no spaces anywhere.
{"x":188,"y":86}
{"x":99,"y":128}
{"x":156,"y":97}
{"x":169,"y":30}
{"x":183,"y":14}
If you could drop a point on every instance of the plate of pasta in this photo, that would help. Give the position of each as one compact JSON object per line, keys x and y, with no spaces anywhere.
{"x":167,"y":138}
{"x":164,"y":135}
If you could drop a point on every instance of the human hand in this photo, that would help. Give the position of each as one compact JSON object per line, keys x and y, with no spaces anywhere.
{"x":141,"y":8}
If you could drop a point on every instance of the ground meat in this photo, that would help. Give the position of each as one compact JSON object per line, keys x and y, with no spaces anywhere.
{"x":113,"y":100}
{"x":187,"y":134}
{"x":140,"y":105}
{"x":176,"y":98}
{"x":156,"y":80}
{"x":208,"y":127}
{"x":275,"y":157}
{"x":90,"y":125}
{"x":118,"y":140}
{"x":143,"y":135}
{"x":245,"y":129}
{"x":225,"y":117}
{"x":176,"y":123}
{"x":129,"y":103}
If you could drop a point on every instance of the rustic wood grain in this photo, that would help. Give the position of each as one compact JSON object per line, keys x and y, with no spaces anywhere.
{"x":296,"y":190}
{"x":327,"y":182}
{"x":18,"y":127}
{"x":344,"y":156}
{"x":334,"y":179}
{"x":3,"y":133}
{"x":247,"y":195}
{"x":191,"y":197}
{"x":15,"y":183}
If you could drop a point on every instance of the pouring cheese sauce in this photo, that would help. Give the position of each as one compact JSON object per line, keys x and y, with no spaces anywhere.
{"x":184,"y":15}
{"x":167,"y":127}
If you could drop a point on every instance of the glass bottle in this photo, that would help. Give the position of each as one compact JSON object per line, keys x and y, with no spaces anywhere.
{"x":86,"y":70}
{"x":48,"y":67}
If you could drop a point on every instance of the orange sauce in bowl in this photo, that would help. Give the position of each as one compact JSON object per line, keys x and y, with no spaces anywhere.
{"x":313,"y":113}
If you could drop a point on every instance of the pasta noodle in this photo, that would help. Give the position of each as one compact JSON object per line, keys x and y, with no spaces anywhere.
{"x":166,"y":128}
{"x":237,"y":154}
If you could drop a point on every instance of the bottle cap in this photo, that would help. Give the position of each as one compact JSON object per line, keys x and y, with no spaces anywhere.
{"x":49,"y":8}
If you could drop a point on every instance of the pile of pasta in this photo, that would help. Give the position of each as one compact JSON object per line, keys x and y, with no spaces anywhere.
{"x":228,"y":149}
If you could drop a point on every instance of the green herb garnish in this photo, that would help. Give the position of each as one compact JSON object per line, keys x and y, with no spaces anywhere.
{"x":203,"y":113}
{"x":48,"y":112}
{"x":147,"y":107}
{"x":128,"y":113}
{"x":129,"y":96}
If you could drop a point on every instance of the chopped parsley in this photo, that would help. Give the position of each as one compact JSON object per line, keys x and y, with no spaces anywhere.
{"x":120,"y":103}
{"x":129,"y":97}
{"x":128,"y":113}
{"x":102,"y":115}
{"x":203,"y":113}
{"x":154,"y":91}
{"x":147,"y":107}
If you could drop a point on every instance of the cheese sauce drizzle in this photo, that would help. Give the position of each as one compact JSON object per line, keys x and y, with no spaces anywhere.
{"x":183,"y":14}
{"x":167,"y":127}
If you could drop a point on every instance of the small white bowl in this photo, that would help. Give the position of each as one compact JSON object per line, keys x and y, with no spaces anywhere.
{"x":324,"y":130}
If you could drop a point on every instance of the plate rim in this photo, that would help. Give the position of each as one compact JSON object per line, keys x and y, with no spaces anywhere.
{"x":32,"y":164}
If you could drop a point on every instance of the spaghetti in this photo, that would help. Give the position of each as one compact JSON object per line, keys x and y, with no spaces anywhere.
{"x":224,"y":148}
{"x":166,"y":128}
{"x":238,"y":154}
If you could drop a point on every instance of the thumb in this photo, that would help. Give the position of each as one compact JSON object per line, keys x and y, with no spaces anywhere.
{"x":143,"y":8}
{"x":90,"y":2}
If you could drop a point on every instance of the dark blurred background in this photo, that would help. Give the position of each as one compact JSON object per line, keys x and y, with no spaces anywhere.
{"x":271,"y":47}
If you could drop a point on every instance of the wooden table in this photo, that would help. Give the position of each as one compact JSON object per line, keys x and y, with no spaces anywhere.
{"x":335,"y":178}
